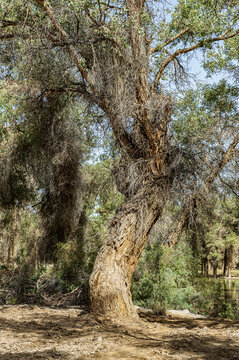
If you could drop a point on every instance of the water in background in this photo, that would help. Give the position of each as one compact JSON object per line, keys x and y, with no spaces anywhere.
{"x":231,"y":290}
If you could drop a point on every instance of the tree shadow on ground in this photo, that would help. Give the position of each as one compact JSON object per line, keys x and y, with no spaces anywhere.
{"x":194,"y":339}
{"x":37,"y":355}
{"x":202,"y":339}
{"x":203,"y":347}
{"x":51,"y":326}
{"x":191,"y":346}
{"x":190,"y":323}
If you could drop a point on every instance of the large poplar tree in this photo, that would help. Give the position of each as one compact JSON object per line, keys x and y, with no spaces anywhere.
{"x":118,"y":56}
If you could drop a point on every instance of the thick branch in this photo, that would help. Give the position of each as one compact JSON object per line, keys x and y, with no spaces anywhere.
{"x":64,"y":89}
{"x":13,"y":36}
{"x":6,"y":23}
{"x":189,"y":49}
{"x":199,"y":197}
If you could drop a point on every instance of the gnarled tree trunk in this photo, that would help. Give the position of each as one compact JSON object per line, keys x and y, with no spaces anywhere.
{"x":112,"y":274}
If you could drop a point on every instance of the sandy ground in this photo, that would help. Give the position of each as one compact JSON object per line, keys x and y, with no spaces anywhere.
{"x":33,"y":332}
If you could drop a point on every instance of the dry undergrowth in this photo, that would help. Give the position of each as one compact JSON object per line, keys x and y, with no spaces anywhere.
{"x":33,"y":332}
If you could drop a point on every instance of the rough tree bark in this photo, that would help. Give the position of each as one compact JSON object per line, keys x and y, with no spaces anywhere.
{"x":112,"y":274}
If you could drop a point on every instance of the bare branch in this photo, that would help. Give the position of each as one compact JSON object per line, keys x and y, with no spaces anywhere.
{"x":100,"y":10}
{"x":189,"y":49}
{"x":13,"y":36}
{"x":6,"y":23}
{"x":64,"y":89}
{"x":228,"y":29}
{"x":159,"y":47}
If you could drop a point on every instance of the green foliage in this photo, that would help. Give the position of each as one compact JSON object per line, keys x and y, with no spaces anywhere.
{"x":169,"y":279}
{"x":101,"y":201}
{"x":204,"y":18}
{"x":70,"y":261}
{"x":202,"y":112}
{"x":75,"y":259}
{"x":223,"y":57}
{"x":163,"y":278}
{"x":15,"y":188}
{"x":15,"y":285}
{"x":218,"y":231}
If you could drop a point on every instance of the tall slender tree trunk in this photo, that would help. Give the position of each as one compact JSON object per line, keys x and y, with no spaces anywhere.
{"x":112,"y":274}
{"x":228,"y":260}
{"x":215,"y":266}
{"x":12,"y":236}
{"x":205,"y":266}
{"x":231,"y":250}
{"x":225,"y":261}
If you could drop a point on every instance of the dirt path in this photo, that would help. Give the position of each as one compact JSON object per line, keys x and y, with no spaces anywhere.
{"x":33,"y":332}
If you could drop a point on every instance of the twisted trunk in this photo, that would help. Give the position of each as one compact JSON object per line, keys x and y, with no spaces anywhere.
{"x":112,"y":274}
